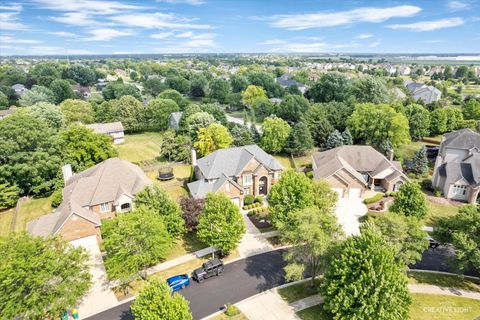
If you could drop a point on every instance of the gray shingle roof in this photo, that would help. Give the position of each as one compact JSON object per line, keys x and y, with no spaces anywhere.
{"x":106,"y":128}
{"x":102,"y":183}
{"x":232,"y":161}
{"x":464,"y":139}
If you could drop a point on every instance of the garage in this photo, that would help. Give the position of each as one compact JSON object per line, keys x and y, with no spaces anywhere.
{"x":355,"y":193}
{"x":340,"y":192}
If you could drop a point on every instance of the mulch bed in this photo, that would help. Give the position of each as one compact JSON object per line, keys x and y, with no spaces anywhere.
{"x":260,"y":223}
{"x":387,"y":201}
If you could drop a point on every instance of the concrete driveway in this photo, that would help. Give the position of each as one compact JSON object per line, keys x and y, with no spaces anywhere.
{"x":348,"y":211}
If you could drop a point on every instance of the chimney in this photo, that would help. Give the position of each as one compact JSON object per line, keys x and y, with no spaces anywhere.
{"x":67,"y":172}
{"x":194,"y":158}
{"x":390,"y":154}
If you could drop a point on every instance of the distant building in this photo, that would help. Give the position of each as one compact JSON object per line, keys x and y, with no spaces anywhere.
{"x":427,"y":94}
{"x":84,"y":91}
{"x":113,"y":129}
{"x":174,"y":120}
{"x":19,"y":89}
{"x":285,"y":82}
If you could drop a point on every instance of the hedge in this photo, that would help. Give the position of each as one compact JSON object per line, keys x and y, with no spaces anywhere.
{"x":373,"y":199}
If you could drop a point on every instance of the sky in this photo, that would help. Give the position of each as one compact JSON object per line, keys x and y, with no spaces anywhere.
{"x":73,"y":27}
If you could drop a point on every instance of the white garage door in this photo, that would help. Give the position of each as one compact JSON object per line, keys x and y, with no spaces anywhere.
{"x":354,"y":193}
{"x":339,"y":191}
{"x":236,"y":201}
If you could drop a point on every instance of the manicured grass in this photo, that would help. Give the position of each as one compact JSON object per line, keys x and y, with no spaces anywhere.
{"x":299,"y":291}
{"x":408,"y":150}
{"x":6,"y":217}
{"x":443,"y":280}
{"x":313,"y":313}
{"x":32,"y":209}
{"x":140,"y":147}
{"x":438,"y":307}
{"x":285,"y":161}
{"x":188,"y":244}
{"x":236,"y":314}
{"x":437,"y":211}
{"x":174,"y":187}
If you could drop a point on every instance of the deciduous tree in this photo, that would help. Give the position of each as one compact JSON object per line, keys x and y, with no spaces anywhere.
{"x":331,"y":86}
{"x":275,"y":134}
{"x":62,"y":90}
{"x":300,"y":140}
{"x":292,"y":108}
{"x":191,"y":210}
{"x":418,"y":121}
{"x":36,"y":95}
{"x":212,"y":138}
{"x":157,"y":113}
{"x":410,"y":201}
{"x":252,"y":93}
{"x":77,"y":111}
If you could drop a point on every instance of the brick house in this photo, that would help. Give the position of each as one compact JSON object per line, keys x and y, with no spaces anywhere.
{"x":89,"y":197}
{"x":236,"y":172}
{"x":350,"y":170}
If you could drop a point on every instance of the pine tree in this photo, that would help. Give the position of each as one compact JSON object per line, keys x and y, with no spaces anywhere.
{"x":420,"y":161}
{"x":254,"y":133}
{"x":334,"y":140}
{"x":347,"y":137}
{"x":300,"y":140}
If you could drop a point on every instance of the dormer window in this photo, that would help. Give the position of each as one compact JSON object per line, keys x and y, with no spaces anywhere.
{"x":247,"y":179}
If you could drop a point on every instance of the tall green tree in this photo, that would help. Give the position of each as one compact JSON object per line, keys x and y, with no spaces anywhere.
{"x":40,"y":277}
{"x":471,"y":110}
{"x":79,"y":73}
{"x":175,"y":96}
{"x":36,"y":95}
{"x":221,"y":224}
{"x":365,"y":281}
{"x":153,"y":86}
{"x":238,"y":83}
{"x":438,"y":121}
{"x":275,"y":134}
{"x":133,"y":242}
{"x":219,"y":90}
{"x":252,"y":93}
{"x":159,"y":201}
{"x":371,"y":89}
{"x":156,"y":301}
{"x":418,"y":121}
{"x":293,"y":192}
{"x":300,"y":140}
{"x":50,"y":114}
{"x":331,"y":86}
{"x":130,"y":112}
{"x":410,"y":201}
{"x":62,"y":90}
{"x":373,"y":124}
{"x":334,"y":140}
{"x":77,"y":111}
{"x":212,"y":138}
{"x":292,"y":108}
{"x":463,"y":232}
{"x":320,"y":128}
{"x":117,"y":90}
{"x":157,"y":113}
{"x":405,"y":234}
{"x":347,"y":137}
{"x":198,"y":85}
{"x":420,"y":161}
{"x":8,"y":195}
{"x":82,"y":148}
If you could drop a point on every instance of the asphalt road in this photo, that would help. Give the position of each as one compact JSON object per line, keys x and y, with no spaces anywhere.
{"x":250,"y":276}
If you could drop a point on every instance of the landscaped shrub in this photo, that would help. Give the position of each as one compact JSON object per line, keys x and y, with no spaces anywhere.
{"x":57,"y":198}
{"x":309,"y":174}
{"x":231,"y":310}
{"x":259,"y":199}
{"x":373,"y":199}
{"x":437,"y":192}
{"x":427,"y":185}
{"x":248,"y":199}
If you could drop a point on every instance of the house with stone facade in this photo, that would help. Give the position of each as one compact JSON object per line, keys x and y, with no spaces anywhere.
{"x":236,"y":172}
{"x":457,"y":166}
{"x":352,"y":169}
{"x":98,"y":193}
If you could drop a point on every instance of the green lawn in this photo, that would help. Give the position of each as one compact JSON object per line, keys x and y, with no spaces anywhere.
{"x":174,"y":187}
{"x":313,"y":313}
{"x":408,"y":150}
{"x":236,"y":314}
{"x":429,"y":306}
{"x":6,"y":222}
{"x":188,"y":244}
{"x":437,"y":211}
{"x":299,"y":291}
{"x":31,"y":210}
{"x":285,"y":161}
{"x":140,"y":147}
{"x":443,"y":280}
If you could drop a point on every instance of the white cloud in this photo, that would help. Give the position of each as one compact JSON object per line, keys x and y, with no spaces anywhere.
{"x":199,"y":43}
{"x":107,"y":34}
{"x":332,"y":19}
{"x":157,"y":20}
{"x":187,"y":34}
{"x":310,"y":47}
{"x":429,"y":25}
{"x":457,"y":5}
{"x":272,"y":42}
{"x":10,"y":39}
{"x":96,"y":7}
{"x":364,"y":36}
{"x":81,"y":19}
{"x":374,"y":44}
{"x":191,"y":2}
{"x":161,"y":35}
{"x":63,"y":34}
{"x":9,"y":19}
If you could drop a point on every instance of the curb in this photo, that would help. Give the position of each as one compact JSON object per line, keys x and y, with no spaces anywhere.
{"x":109,"y":307}
{"x":445,"y":273}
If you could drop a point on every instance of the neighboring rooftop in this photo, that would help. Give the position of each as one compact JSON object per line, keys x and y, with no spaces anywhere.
{"x":464,"y":139}
{"x":106,"y":128}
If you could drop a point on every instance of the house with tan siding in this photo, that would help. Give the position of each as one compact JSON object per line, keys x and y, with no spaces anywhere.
{"x":236,"y":172}
{"x":351,"y":169}
{"x":98,"y":193}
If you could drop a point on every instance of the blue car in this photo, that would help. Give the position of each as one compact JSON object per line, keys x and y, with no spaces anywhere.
{"x":178,"y":282}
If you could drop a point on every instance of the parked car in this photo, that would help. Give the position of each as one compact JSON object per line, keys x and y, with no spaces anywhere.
{"x":178,"y":282}
{"x":210,"y":268}
{"x":433,"y":243}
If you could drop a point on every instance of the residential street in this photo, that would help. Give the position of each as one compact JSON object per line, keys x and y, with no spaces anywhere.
{"x":250,"y":276}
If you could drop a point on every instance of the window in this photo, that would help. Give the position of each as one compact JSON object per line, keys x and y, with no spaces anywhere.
{"x":125,"y":207}
{"x":104,"y":207}
{"x":459,"y":190}
{"x":247,"y":179}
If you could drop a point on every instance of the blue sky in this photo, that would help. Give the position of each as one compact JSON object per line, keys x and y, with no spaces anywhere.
{"x":202,"y":26}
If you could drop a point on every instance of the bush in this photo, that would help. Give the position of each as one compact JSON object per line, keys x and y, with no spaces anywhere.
{"x":248,"y":199}
{"x":309,"y":174}
{"x":259,"y":199}
{"x":373,"y":199}
{"x":57,"y":198}
{"x":231,"y":310}
{"x":437,"y":192}
{"x":427,"y":184}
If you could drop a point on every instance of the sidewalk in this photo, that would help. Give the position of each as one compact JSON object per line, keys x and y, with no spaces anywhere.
{"x":267,"y":305}
{"x":253,"y":241}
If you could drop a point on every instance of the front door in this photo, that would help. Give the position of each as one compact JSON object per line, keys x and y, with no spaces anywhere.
{"x":263,"y":185}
